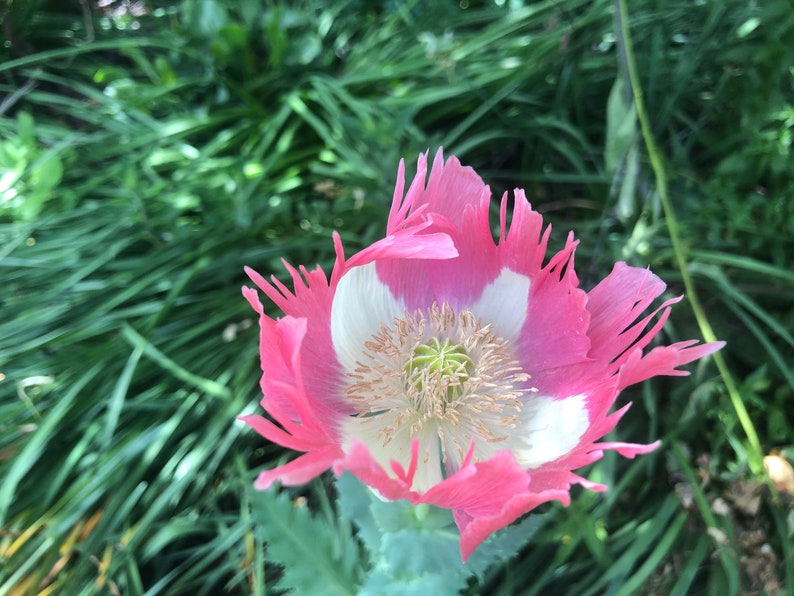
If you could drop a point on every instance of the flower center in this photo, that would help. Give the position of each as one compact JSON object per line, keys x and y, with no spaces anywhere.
{"x":439,"y":369}
{"x":438,"y":373}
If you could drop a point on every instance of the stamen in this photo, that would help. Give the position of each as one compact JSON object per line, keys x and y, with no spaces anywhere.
{"x":441,"y":372}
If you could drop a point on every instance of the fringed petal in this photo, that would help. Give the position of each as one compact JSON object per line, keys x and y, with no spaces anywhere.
{"x":615,"y":303}
{"x":300,"y":470}
{"x":554,"y":337}
{"x":278,"y":435}
{"x":358,"y":461}
{"x":523,"y":247}
{"x":455,"y":203}
{"x":474,"y":530}
{"x":630,"y":450}
{"x":311,"y":302}
{"x":664,"y":360}
{"x":487,"y":496}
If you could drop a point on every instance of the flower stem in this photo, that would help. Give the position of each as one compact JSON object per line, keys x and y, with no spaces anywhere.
{"x":755,"y":455}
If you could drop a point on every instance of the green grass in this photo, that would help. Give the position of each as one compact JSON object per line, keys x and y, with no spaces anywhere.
{"x":145,"y":160}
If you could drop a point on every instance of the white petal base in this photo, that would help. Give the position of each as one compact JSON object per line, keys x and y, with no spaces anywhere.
{"x":549,"y":429}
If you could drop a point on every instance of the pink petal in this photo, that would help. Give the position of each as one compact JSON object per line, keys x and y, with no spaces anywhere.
{"x":487,"y":496}
{"x":630,"y":450}
{"x":277,"y":435}
{"x":523,"y":247}
{"x":480,"y":488}
{"x":407,"y":244}
{"x":473,"y":531}
{"x":310,"y":302}
{"x":615,"y":303}
{"x":455,"y":203}
{"x":664,"y":360}
{"x":282,"y":351}
{"x":359,"y":462}
{"x":555,"y":331}
{"x":301,"y":470}
{"x":307,"y":424}
{"x":557,"y":474}
{"x":450,"y":188}
{"x":588,"y":484}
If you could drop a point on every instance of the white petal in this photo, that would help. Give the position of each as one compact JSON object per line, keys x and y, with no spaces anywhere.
{"x":361,"y":305}
{"x":549,"y":428}
{"x":503,"y":304}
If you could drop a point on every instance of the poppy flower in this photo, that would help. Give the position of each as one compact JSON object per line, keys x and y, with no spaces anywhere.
{"x":442,"y":366}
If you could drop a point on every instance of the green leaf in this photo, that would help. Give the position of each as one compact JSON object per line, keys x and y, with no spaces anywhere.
{"x":409,"y":542}
{"x":316,"y":557}
{"x":354,"y":501}
{"x":505,"y":544}
{"x":384,"y":584}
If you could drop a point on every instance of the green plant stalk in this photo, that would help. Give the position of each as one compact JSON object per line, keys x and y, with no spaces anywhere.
{"x":655,"y":156}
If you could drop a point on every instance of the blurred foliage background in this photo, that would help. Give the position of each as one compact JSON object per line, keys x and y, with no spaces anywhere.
{"x":149,"y":150}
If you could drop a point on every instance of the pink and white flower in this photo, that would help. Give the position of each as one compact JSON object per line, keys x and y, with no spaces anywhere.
{"x":442,"y":367}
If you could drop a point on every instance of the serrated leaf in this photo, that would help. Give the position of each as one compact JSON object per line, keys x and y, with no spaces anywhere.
{"x":317,"y":557}
{"x":354,"y":500}
{"x":505,"y":543}
{"x":408,"y":541}
{"x":411,"y":553}
{"x":382,"y":584}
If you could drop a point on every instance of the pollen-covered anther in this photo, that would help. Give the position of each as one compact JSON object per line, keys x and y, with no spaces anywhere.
{"x":440,"y":372}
